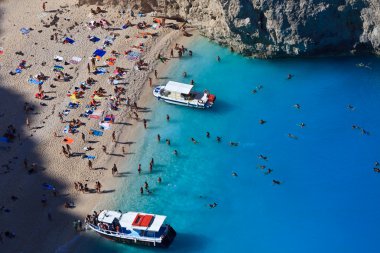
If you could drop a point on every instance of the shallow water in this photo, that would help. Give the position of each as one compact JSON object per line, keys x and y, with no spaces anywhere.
{"x":328,"y":199}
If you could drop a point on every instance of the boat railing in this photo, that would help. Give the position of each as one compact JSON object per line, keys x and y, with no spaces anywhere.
{"x":104,"y":231}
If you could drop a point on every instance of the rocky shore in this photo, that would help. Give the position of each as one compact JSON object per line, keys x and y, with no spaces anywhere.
{"x":277,"y":28}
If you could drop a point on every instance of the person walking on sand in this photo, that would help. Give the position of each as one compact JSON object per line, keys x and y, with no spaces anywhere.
{"x":83,"y":137}
{"x":104,"y":148}
{"x":123,"y":150}
{"x":114,"y":170}
{"x":113,"y":136}
{"x":171,"y":53}
{"x":145,"y":123}
{"x":68,"y":148}
{"x":156,"y":73}
{"x":90,"y":164}
{"x":93,"y":63}
{"x":150,"y":82}
{"x":44,"y":6}
{"x":88,"y":68}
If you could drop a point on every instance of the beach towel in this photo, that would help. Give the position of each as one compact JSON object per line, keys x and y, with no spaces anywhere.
{"x":97,"y":98}
{"x":68,"y":140}
{"x":18,"y":71}
{"x":75,"y":60}
{"x":69,"y":40}
{"x":96,"y":132}
{"x":72,"y":105}
{"x":49,"y":187}
{"x":111,"y":61}
{"x":89,"y":157}
{"x":34,"y":81}
{"x":100,"y":71}
{"x":58,"y":58}
{"x":24,"y":31}
{"x":94,"y":39}
{"x":58,"y":68}
{"x":4,"y":139}
{"x":1,"y":51}
{"x":96,"y":114}
{"x":99,"y":52}
{"x":109,"y":118}
{"x":132,"y":55}
{"x":66,"y":129}
{"x":104,"y":125}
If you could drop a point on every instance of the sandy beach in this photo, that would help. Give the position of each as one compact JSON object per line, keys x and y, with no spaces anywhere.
{"x":36,"y":178}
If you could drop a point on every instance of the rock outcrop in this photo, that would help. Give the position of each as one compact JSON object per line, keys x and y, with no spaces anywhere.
{"x":276,"y":28}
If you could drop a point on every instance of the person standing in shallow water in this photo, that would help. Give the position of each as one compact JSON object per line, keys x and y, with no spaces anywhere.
{"x":218,"y":58}
{"x":167,"y":117}
{"x":158,"y":138}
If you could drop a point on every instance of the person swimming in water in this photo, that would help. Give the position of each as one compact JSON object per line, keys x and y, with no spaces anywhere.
{"x":261,"y":166}
{"x":268,"y":171}
{"x":350,"y":107}
{"x":234,"y":174}
{"x":175,"y":152}
{"x":254,"y":91}
{"x":261,"y":122}
{"x":292,"y":136}
{"x":208,"y":134}
{"x":277,"y":182}
{"x":218,"y":58}
{"x":263,"y":157}
{"x":290,"y":76}
{"x":213,"y":205}
{"x":234,"y":144}
{"x":218,"y":139}
{"x":297,"y":106}
{"x":193,"y":140}
{"x":301,"y":125}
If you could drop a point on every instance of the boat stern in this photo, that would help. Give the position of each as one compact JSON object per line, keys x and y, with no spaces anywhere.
{"x":168,"y":236}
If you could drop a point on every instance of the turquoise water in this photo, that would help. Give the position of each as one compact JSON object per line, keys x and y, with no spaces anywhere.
{"x":329,"y":197}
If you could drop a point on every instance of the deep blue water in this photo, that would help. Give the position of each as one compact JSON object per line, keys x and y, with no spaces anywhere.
{"x":329,"y":197}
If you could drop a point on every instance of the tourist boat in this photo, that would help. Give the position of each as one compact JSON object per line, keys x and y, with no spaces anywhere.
{"x":133,"y":228}
{"x":183,"y":94}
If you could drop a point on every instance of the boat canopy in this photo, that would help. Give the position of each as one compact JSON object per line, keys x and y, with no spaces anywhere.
{"x":142,"y":221}
{"x":108,"y":216}
{"x":178,"y":87}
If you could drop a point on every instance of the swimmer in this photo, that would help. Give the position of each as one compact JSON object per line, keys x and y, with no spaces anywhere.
{"x":263,"y":157}
{"x":276,"y":182}
{"x":377,"y":164}
{"x":234,"y":174}
{"x":208,"y":134}
{"x":184,"y":74}
{"x":301,"y":124}
{"x":260,"y":87}
{"x":377,"y":170}
{"x":268,"y":171}
{"x":350,"y":107}
{"x":141,"y":190}
{"x":218,"y":58}
{"x":175,"y":152}
{"x":213,"y":205}
{"x":159,"y":180}
{"x":218,"y":139}
{"x":234,"y":144}
{"x":262,"y":166}
{"x":254,"y":91}
{"x":193,"y":140}
{"x":290,"y":76}
{"x":261,"y":122}
{"x":297,"y":106}
{"x":293,"y":136}
{"x":354,"y":126}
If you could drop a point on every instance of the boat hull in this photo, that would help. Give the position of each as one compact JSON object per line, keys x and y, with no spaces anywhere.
{"x":165,"y":242}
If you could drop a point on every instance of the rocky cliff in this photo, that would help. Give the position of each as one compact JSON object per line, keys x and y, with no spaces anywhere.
{"x":275,"y":28}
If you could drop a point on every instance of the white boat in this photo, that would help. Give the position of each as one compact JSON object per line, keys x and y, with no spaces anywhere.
{"x":183,"y":94}
{"x":132,"y":227}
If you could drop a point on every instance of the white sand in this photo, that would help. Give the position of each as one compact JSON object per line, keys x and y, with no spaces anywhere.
{"x":27,"y":217}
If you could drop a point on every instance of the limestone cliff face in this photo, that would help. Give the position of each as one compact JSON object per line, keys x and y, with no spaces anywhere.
{"x":275,"y":28}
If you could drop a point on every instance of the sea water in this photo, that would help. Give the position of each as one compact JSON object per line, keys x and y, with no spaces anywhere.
{"x":328,"y":199}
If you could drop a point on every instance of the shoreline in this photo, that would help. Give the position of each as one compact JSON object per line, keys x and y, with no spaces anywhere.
{"x":37,"y":142}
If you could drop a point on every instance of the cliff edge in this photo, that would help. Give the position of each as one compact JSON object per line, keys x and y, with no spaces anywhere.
{"x":276,"y":28}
